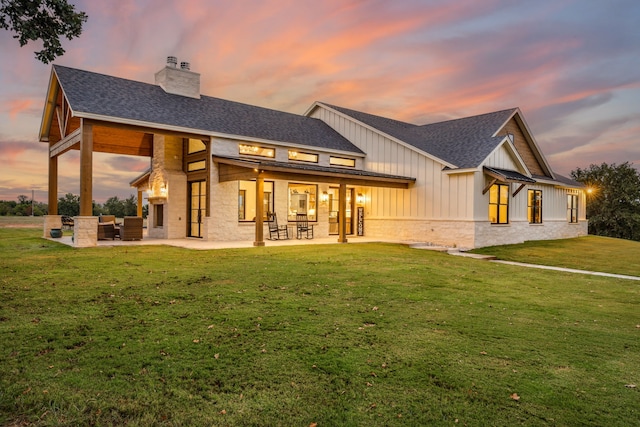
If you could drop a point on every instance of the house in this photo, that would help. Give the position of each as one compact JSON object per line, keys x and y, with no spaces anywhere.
{"x":218,"y":167}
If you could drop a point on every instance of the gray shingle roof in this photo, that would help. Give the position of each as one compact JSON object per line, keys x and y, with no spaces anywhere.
{"x":109,"y":96}
{"x":464,"y":143}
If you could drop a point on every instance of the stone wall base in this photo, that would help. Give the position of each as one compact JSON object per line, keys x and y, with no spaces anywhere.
{"x":50,"y":222}
{"x":85,"y":231}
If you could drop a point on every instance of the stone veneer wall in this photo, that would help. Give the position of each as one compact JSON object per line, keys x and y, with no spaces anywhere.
{"x":458,"y":234}
{"x":166,"y":170}
{"x":520,"y":231}
{"x":85,"y":231}
{"x":51,"y":221}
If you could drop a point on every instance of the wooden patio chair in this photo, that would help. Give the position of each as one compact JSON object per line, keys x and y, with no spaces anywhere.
{"x":131,"y":228}
{"x":276,"y":232}
{"x":303,"y":227}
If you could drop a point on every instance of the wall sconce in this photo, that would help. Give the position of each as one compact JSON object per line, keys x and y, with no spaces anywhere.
{"x":324,"y":197}
{"x":163,"y":190}
{"x":360,"y":198}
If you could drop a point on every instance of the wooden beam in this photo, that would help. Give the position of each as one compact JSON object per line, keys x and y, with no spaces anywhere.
{"x":230,"y":170}
{"x":259,"y":211}
{"x":489,"y":186}
{"x":146,"y":129}
{"x":518,"y":190}
{"x":235,"y":173}
{"x":139,"y":205}
{"x":342,"y":213}
{"x":86,"y":169}
{"x":67,"y":143}
{"x":53,"y":186}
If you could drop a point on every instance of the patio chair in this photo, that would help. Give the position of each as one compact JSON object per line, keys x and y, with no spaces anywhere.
{"x":106,"y":231}
{"x":303,"y":227}
{"x":67,"y":222}
{"x":107,"y":227}
{"x":276,"y":232}
{"x":131,"y":228}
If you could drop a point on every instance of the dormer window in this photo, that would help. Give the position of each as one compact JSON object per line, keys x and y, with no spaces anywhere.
{"x":254,"y":150}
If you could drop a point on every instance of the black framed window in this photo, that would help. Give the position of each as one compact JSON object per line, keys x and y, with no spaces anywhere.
{"x":499,"y":204}
{"x":534,"y":206}
{"x":572,"y":208}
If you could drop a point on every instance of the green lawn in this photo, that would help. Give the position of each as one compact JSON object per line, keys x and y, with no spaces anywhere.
{"x":338,"y":335}
{"x":594,"y":253}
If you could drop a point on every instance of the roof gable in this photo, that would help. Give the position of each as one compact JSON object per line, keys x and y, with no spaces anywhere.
{"x":94,"y":95}
{"x":464,"y":143}
{"x":526,"y":146}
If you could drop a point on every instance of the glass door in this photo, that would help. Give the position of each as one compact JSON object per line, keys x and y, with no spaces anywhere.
{"x":197,"y":206}
{"x":334,"y":207}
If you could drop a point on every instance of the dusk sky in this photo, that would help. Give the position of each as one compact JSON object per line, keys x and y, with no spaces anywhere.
{"x":572,"y":66}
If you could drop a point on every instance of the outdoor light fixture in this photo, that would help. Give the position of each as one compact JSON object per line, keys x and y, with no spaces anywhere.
{"x":360,"y":198}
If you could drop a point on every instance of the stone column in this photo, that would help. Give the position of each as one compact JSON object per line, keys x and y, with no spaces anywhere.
{"x":51,"y":221}
{"x":85,"y":231}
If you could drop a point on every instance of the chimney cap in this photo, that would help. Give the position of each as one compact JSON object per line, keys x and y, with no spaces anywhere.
{"x":172,"y":61}
{"x":185,"y":65}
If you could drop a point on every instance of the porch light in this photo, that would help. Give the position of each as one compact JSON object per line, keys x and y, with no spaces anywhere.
{"x":360,"y":198}
{"x":163,"y":190}
{"x":324,"y":197}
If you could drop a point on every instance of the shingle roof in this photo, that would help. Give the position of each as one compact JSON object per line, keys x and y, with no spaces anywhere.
{"x":464,"y":143}
{"x":99,"y":94}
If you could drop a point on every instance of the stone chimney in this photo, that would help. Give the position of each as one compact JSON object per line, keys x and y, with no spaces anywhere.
{"x":179,"y":81}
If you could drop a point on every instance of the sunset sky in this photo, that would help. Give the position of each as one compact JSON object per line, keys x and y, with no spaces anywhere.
{"x":572,"y":66}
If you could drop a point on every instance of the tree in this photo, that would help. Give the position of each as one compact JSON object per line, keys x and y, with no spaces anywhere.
{"x":613,"y":206}
{"x":69,"y":205}
{"x":114,"y":206}
{"x":45,"y":20}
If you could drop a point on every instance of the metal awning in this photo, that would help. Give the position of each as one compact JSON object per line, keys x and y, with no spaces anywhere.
{"x":234,"y":168}
{"x":507,"y":176}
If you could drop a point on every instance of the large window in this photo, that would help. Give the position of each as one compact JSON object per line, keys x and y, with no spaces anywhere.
{"x":572,"y":208}
{"x":302,"y":199}
{"x":247,"y":200}
{"x":534,"y":206}
{"x":499,"y":204}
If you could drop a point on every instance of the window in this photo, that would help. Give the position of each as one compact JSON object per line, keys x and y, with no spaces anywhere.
{"x":195,"y":146}
{"x":534,"y":206}
{"x":302,"y":199}
{"x":196,"y":166}
{"x":254,"y":150}
{"x":499,"y":204}
{"x":242,"y":205}
{"x":341,"y":161}
{"x":158,"y":217}
{"x":247,"y":200}
{"x":303,"y":157}
{"x":572,"y":208}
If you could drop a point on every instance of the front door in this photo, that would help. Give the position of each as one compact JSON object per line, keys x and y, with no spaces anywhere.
{"x":197,"y":206}
{"x":334,"y":206}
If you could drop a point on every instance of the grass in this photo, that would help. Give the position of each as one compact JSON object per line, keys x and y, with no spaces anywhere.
{"x":594,"y":253}
{"x":359,"y":334}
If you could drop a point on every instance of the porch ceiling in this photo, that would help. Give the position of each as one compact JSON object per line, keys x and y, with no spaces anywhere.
{"x":233,"y":169}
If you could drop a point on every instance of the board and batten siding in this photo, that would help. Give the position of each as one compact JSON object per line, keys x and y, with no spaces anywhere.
{"x":434,"y":196}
